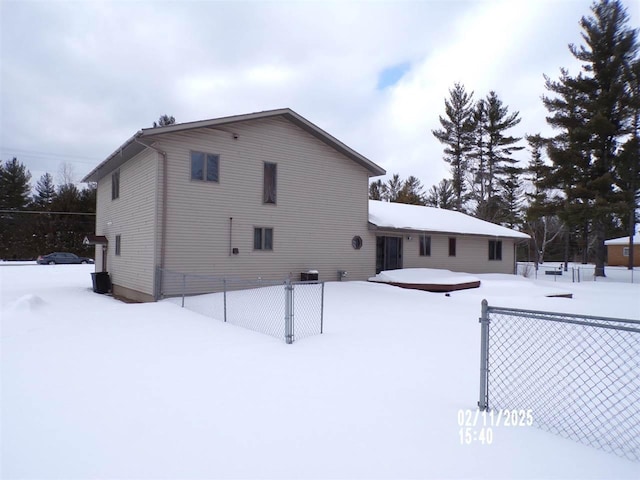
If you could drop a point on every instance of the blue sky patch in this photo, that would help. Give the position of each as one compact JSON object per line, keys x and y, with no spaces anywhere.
{"x":392,"y":75}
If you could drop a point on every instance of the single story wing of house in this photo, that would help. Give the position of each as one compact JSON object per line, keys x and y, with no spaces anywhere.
{"x":270,"y":195}
{"x":618,"y":251}
{"x":413,"y":236}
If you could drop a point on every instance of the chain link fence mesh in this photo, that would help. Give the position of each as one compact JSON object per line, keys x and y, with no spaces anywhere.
{"x":256,"y":304}
{"x":580,"y":375}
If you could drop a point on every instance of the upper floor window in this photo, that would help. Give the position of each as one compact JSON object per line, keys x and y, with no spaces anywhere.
{"x":115,"y":185}
{"x":452,"y":246}
{"x":425,"y":246}
{"x":204,"y":166}
{"x":495,"y":249}
{"x":269,"y":190}
{"x":262,"y":238}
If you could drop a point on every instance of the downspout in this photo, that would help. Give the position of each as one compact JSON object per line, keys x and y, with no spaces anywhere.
{"x":163,"y":215}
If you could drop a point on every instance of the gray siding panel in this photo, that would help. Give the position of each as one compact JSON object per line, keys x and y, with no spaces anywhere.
{"x":322,"y":203}
{"x":472,"y":254}
{"x":133,"y":217}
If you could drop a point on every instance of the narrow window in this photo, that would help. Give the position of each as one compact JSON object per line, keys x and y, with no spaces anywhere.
{"x":452,"y":246}
{"x":115,"y":185}
{"x":269,"y":190}
{"x":205,"y":166}
{"x":262,"y":238}
{"x":118,"y":242}
{"x":495,"y":249}
{"x":425,"y":246}
{"x":625,"y":251}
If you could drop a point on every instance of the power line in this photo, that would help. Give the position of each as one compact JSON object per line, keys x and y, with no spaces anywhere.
{"x":47,"y":213}
{"x":34,"y":153}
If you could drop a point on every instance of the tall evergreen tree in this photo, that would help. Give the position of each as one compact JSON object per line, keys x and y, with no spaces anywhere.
{"x":411,"y":192}
{"x":603,"y":114}
{"x":45,"y":192}
{"x":457,"y":134}
{"x":441,"y":195}
{"x":15,"y":188}
{"x":164,"y":120}
{"x":377,"y":190}
{"x":394,"y":185}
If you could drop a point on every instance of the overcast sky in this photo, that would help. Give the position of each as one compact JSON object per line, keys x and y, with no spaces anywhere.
{"x":79,"y":78}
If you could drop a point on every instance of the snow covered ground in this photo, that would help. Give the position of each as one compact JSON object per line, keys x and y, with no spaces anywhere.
{"x":92,"y":387}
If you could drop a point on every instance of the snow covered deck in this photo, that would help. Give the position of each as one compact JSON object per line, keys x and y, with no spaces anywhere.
{"x":427,"y":279}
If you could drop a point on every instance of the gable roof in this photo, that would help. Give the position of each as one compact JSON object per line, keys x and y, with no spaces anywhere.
{"x":134,"y":145}
{"x":429,"y":219}
{"x":624,"y":240}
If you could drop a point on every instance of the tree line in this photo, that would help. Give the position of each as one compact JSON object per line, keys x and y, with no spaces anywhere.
{"x":581,"y":185}
{"x":47,"y":218}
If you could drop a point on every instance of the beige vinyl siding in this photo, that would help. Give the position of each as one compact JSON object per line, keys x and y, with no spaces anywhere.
{"x":322,"y":203}
{"x":472,"y":253}
{"x":133,"y":217}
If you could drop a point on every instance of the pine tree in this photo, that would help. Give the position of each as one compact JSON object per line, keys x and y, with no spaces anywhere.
{"x":164,"y":120}
{"x":441,"y":195}
{"x":457,"y":134}
{"x":14,"y":186}
{"x":411,"y":192}
{"x":511,"y":197}
{"x":394,"y":185}
{"x":595,"y":109}
{"x":377,"y":190}
{"x":45,"y":192}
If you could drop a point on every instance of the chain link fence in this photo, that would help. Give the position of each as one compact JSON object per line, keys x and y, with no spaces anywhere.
{"x":574,"y":272}
{"x":283,"y":309}
{"x":579,"y":375}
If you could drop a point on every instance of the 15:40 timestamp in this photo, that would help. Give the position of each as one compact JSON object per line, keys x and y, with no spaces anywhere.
{"x":469,"y":435}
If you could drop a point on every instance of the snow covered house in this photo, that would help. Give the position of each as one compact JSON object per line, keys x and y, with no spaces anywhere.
{"x":269,"y":195}
{"x":411,"y":236}
{"x":264,"y":194}
{"x":618,"y":251}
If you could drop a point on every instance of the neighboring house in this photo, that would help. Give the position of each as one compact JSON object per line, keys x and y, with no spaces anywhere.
{"x":411,"y":236}
{"x":266,"y":194}
{"x":618,"y":251}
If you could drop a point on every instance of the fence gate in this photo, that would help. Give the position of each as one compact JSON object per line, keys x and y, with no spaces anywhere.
{"x":579,"y":375}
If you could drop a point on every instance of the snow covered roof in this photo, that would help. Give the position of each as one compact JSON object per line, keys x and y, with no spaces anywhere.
{"x":624,"y":240}
{"x":416,"y":217}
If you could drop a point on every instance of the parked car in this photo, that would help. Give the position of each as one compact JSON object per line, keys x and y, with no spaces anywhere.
{"x":62,"y":257}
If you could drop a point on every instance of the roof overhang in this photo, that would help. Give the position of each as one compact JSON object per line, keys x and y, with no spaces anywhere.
{"x":133,"y":146}
{"x":410,"y":231}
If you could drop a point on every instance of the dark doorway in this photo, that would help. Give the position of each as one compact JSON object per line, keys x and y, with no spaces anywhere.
{"x":388,"y":253}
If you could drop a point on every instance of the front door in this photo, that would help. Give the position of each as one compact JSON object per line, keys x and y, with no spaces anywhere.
{"x":388,"y":253}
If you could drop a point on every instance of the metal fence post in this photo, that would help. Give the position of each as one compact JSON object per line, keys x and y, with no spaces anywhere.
{"x":288,"y":311}
{"x":322,"y":309}
{"x":184,"y":286}
{"x":224,"y":289}
{"x":483,"y":403}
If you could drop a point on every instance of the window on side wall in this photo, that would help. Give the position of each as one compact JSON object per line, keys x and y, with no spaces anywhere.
{"x":115,"y":185}
{"x":270,"y":183}
{"x":205,"y":166}
{"x":452,"y":246}
{"x":425,"y":246}
{"x":495,"y":249}
{"x":625,"y":251}
{"x":262,"y":238}
{"x":118,"y":245}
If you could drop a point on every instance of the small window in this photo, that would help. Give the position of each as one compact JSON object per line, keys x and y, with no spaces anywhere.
{"x":118,"y":243}
{"x":625,"y":251}
{"x":356,"y":242}
{"x":425,"y":246}
{"x":115,"y":185}
{"x":495,"y":249}
{"x":452,"y":246}
{"x":205,"y":166}
{"x":270,"y":183}
{"x":262,"y":238}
